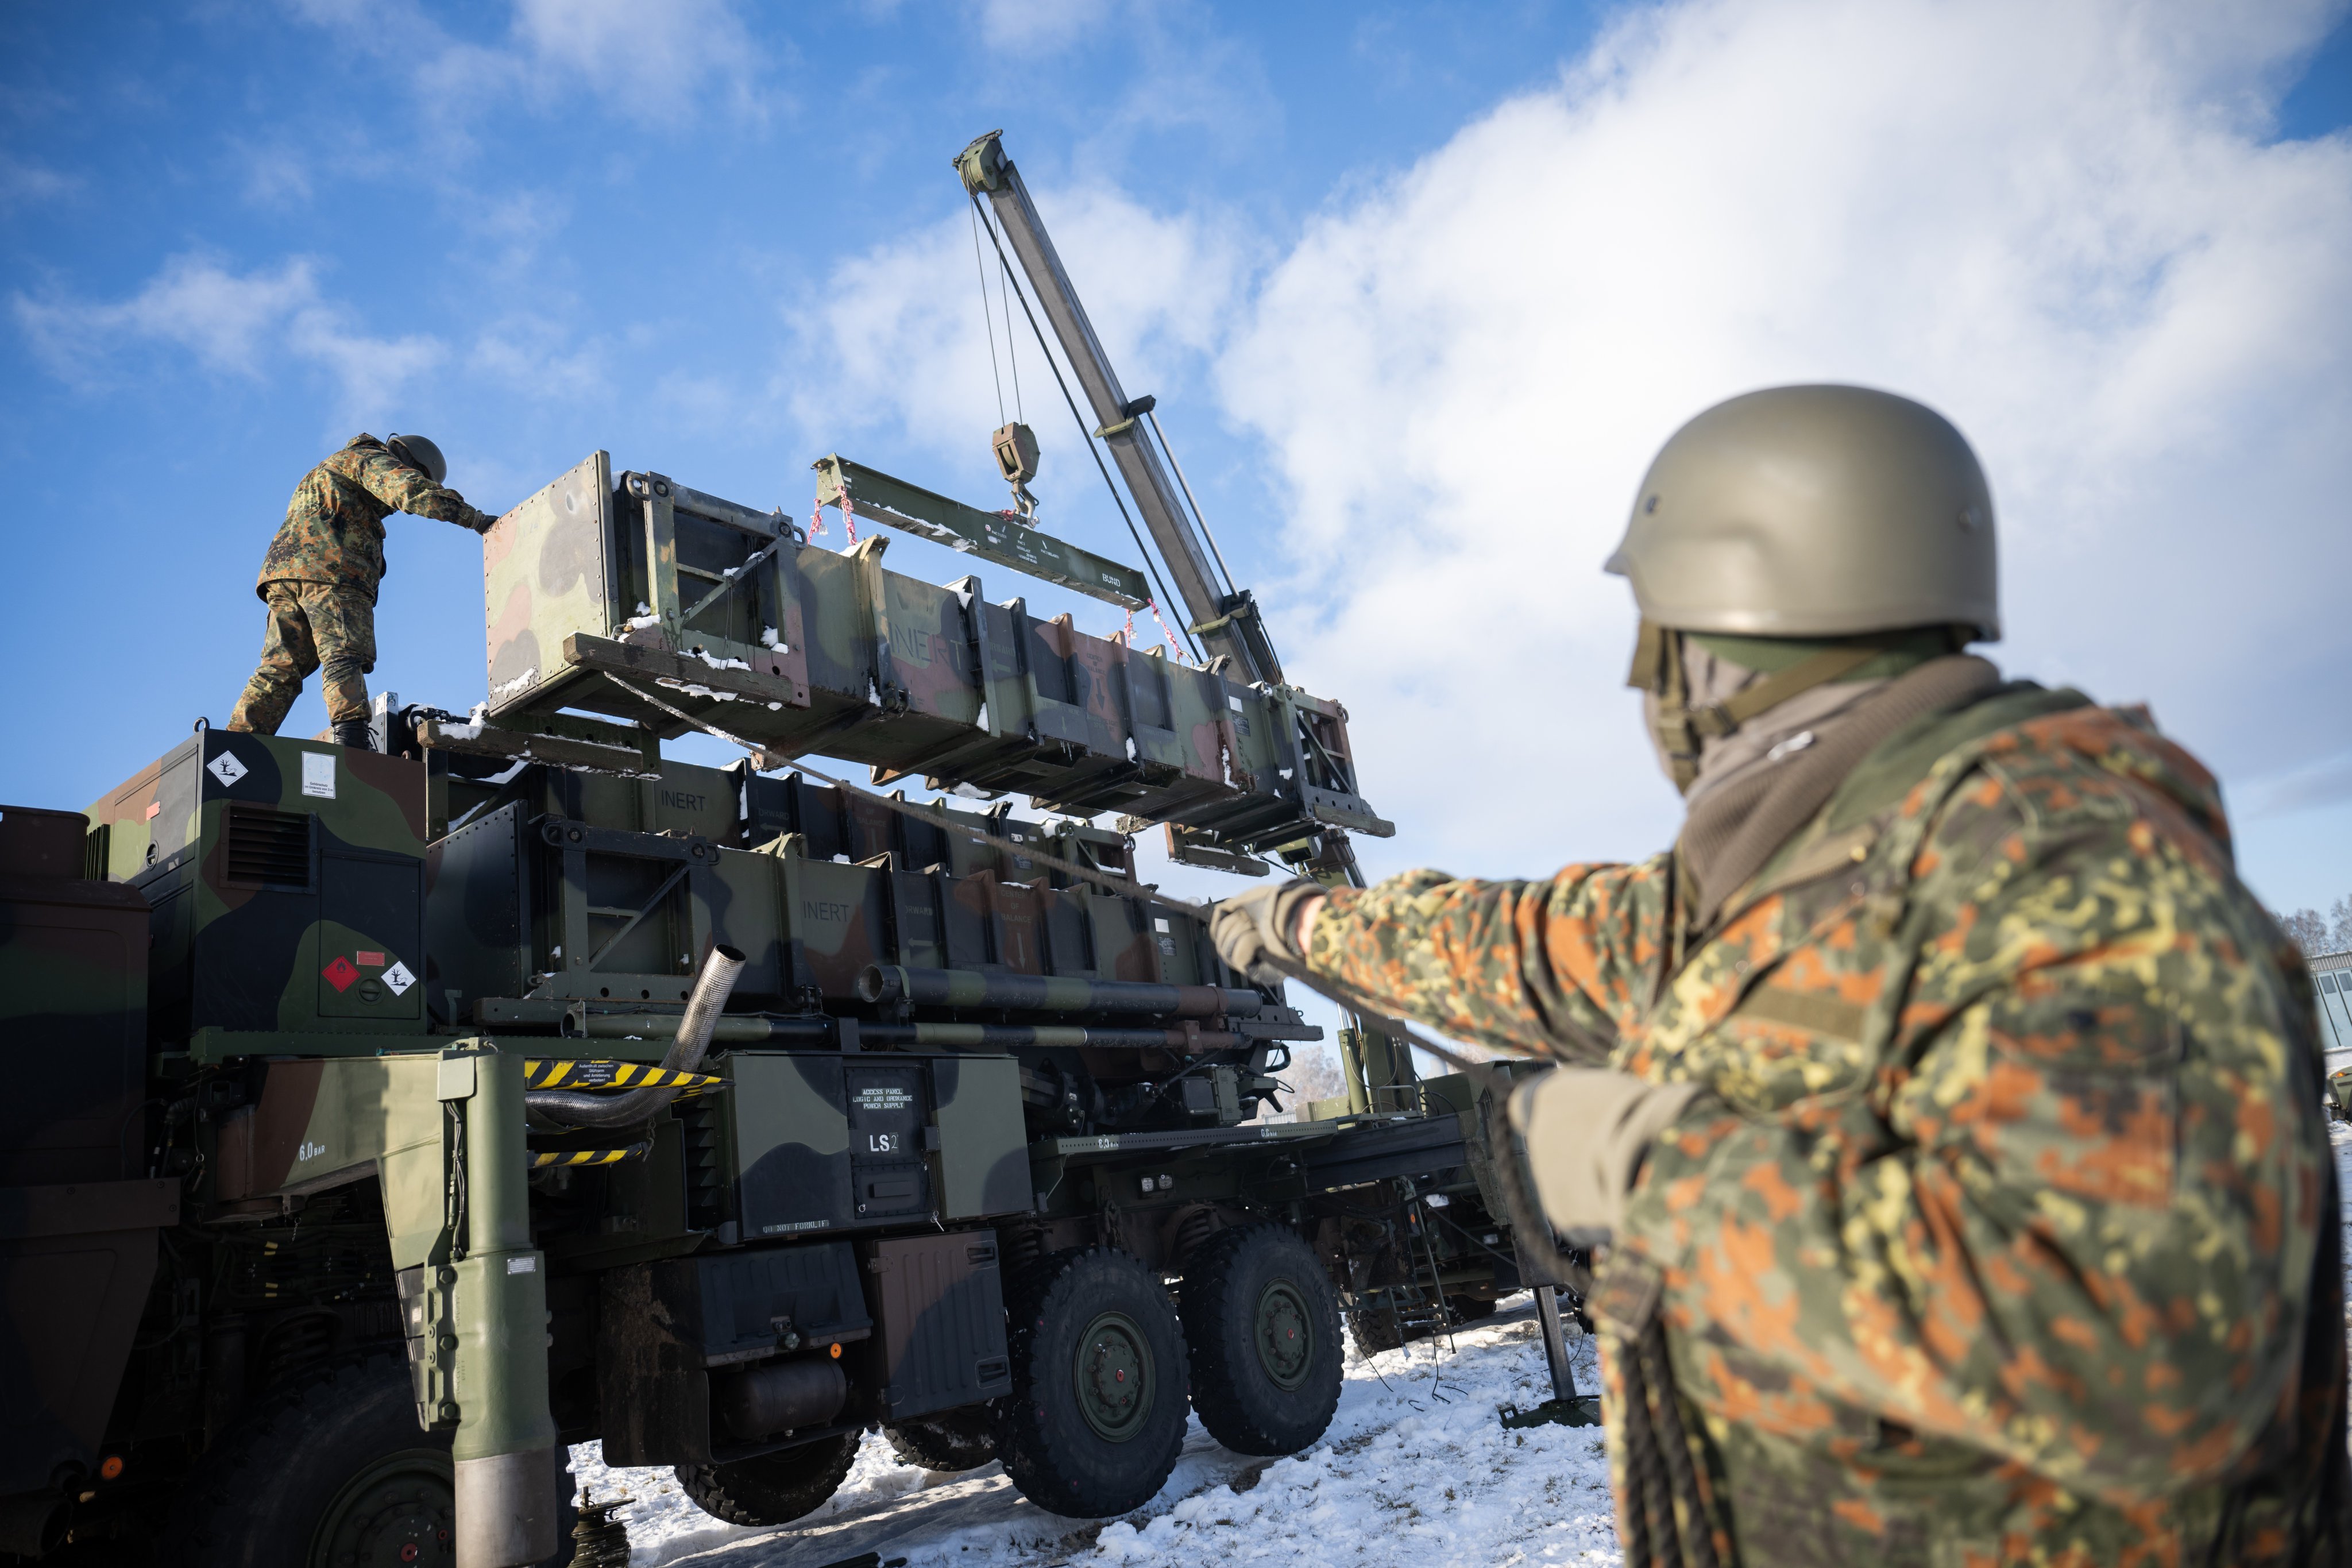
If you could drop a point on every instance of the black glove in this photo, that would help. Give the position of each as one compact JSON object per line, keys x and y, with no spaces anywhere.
{"x":1248,"y":928}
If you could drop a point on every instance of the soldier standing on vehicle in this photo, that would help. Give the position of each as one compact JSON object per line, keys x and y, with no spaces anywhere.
{"x":320,"y":577}
{"x":1948,"y":1109}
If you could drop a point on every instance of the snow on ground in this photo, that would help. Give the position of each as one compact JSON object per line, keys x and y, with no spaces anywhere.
{"x":1416,"y":1468}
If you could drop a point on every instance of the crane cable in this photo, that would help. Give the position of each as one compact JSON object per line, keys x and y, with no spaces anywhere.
{"x":988,"y":325}
{"x":1117,"y":499}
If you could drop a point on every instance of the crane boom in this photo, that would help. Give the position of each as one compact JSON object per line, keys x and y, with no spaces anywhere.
{"x":1226,"y":622}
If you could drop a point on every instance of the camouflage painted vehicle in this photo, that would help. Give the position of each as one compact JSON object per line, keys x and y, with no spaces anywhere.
{"x":382,"y":1122}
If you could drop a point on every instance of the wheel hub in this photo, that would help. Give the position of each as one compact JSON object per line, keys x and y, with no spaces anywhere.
{"x":400,"y":1513}
{"x":1284,"y":1334}
{"x":1113,"y":1376}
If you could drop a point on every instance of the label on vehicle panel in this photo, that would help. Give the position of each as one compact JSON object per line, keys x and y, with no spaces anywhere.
{"x":399,"y":979}
{"x":228,"y":769}
{"x":318,"y":774}
{"x":884,"y":1096}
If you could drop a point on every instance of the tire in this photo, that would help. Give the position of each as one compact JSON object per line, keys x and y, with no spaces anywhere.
{"x":773,"y":1489}
{"x":1085,"y":1325}
{"x":1374,"y":1329}
{"x":951,"y":1441}
{"x":1262,"y":1322}
{"x":333,"y":1470}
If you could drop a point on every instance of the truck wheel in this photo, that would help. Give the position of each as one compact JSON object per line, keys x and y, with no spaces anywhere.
{"x":952,"y":1440}
{"x":1262,"y":1323}
{"x":773,"y":1489}
{"x":334,"y":1471}
{"x":1096,"y":1413}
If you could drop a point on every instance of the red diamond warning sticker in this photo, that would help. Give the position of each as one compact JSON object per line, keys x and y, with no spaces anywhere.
{"x":340,"y":974}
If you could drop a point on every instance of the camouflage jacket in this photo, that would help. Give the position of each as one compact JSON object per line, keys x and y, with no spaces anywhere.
{"x":333,"y":530}
{"x":2009,"y":1231}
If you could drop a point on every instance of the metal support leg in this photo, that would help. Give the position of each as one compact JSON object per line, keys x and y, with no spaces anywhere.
{"x":1566,"y":1407}
{"x":505,"y":1448}
{"x":1555,"y":1339}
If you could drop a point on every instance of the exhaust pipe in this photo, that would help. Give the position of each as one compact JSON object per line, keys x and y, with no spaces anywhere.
{"x":577,"y":1108}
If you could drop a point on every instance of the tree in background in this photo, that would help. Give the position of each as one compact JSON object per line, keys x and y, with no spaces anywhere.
{"x":2317,"y":933}
{"x":1313,"y":1073}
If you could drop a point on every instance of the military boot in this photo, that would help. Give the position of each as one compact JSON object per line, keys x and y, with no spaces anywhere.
{"x":359,"y":734}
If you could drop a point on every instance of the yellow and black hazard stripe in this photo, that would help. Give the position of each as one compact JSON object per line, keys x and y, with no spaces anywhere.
{"x":562,"y":1073}
{"x":543,"y":1158}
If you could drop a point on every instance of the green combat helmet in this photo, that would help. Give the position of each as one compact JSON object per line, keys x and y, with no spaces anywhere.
{"x":1819,"y":517}
{"x":419,"y":452}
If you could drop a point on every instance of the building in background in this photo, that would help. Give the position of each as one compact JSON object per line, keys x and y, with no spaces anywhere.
{"x":2332,"y":972}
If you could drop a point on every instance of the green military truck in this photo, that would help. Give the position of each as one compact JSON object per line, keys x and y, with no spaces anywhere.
{"x":380,"y":1123}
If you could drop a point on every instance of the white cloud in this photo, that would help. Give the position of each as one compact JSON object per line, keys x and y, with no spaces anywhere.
{"x":650,"y":61}
{"x":253,"y":324}
{"x":23,"y":180}
{"x":899,"y":335}
{"x":2061,"y":226}
{"x":656,"y":64}
{"x":1037,"y":27}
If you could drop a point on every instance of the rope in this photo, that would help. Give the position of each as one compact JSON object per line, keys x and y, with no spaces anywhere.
{"x":1153,"y":605}
{"x":816,"y":518}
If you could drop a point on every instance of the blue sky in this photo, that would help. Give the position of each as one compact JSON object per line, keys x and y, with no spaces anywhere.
{"x":1420,"y":288}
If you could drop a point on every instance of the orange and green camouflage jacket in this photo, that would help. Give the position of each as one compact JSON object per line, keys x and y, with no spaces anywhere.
{"x":334,"y":532}
{"x":2008,"y":1232}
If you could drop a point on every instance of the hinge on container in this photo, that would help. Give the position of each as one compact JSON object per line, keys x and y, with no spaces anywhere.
{"x":428,"y":1314}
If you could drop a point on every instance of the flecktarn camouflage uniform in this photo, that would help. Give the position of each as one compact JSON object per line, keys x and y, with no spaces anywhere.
{"x":2007,"y":1230}
{"x":321,"y":575}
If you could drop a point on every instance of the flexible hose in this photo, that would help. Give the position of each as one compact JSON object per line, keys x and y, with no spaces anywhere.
{"x":577,"y":1108}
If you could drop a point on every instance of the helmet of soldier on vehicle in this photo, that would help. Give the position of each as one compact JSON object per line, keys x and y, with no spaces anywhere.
{"x":1811,"y":513}
{"x":418,"y":452}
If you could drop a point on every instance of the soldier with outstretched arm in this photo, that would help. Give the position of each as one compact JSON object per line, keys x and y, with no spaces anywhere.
{"x":1943,"y":1112}
{"x":321,"y":576}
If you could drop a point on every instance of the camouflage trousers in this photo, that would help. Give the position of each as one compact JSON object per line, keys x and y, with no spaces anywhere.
{"x":311,"y":626}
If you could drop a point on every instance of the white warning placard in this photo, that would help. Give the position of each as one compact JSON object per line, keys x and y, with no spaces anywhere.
{"x":225,"y":768}
{"x":318,"y":774}
{"x":399,"y":979}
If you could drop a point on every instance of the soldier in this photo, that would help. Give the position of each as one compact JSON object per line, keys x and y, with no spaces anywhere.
{"x":320,"y":577}
{"x":1948,"y":1109}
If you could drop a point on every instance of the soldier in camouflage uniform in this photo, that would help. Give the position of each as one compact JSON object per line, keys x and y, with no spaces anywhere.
{"x":1950,"y":1111}
{"x":320,"y":577}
